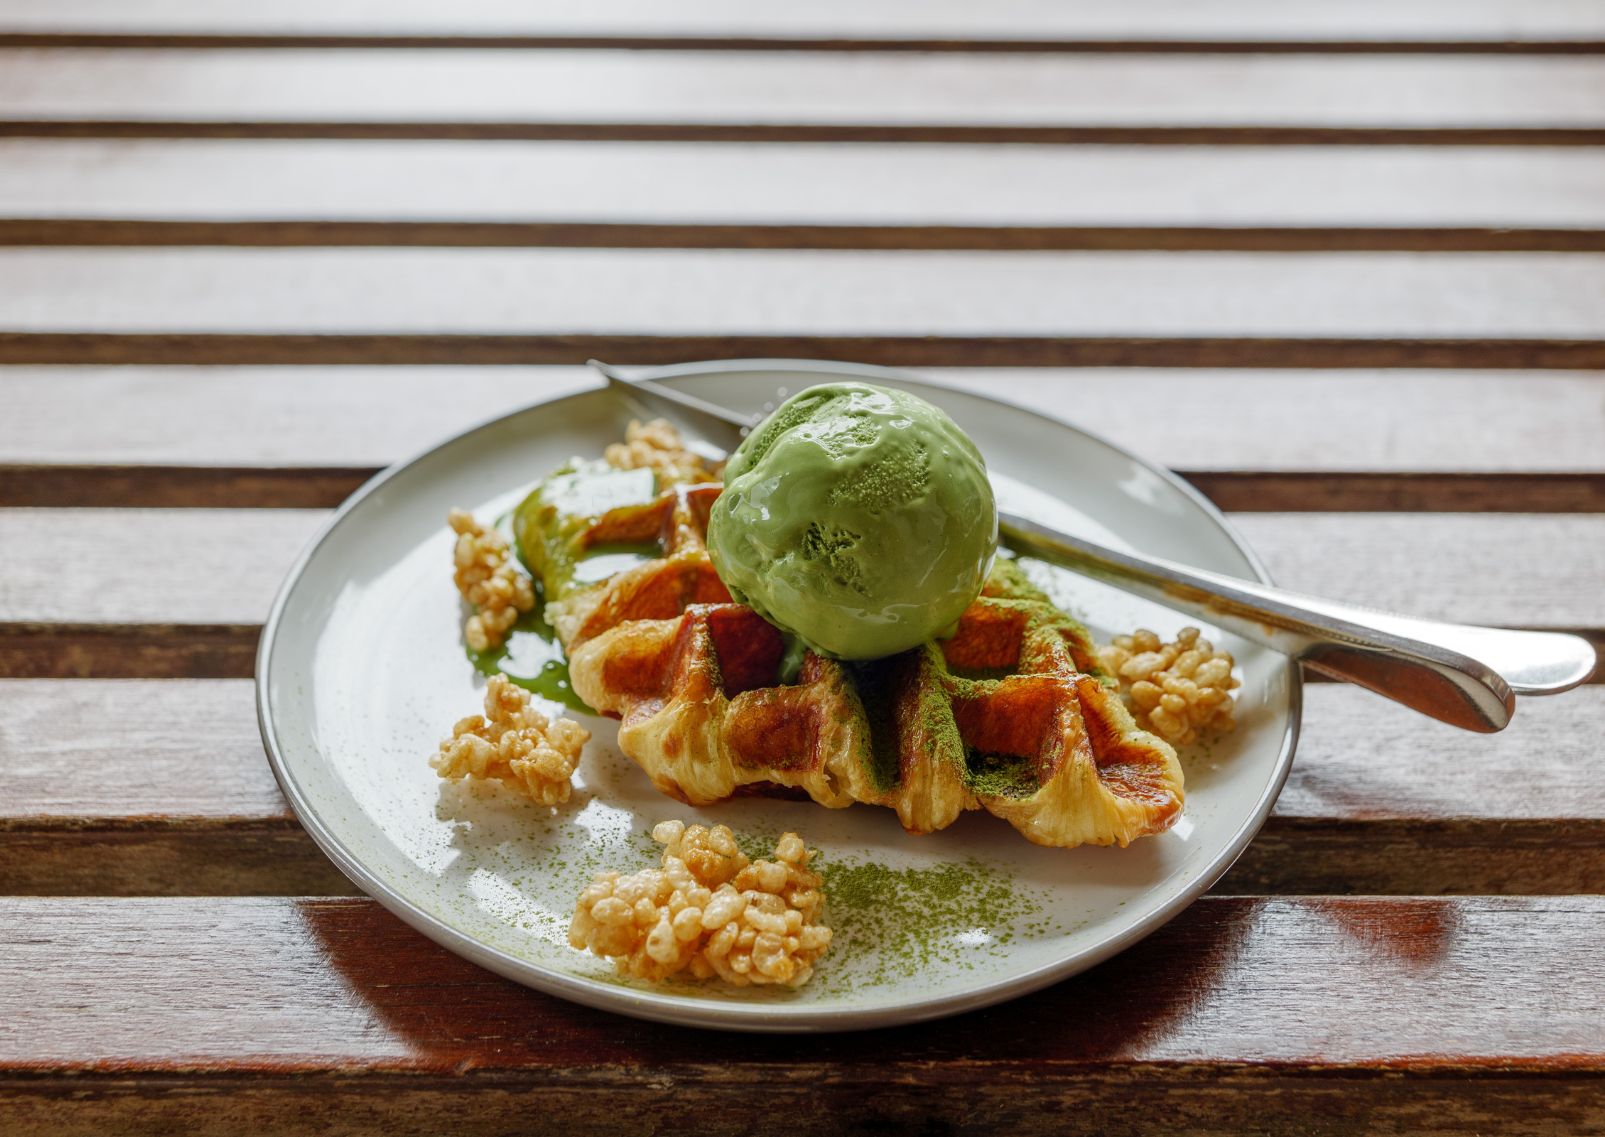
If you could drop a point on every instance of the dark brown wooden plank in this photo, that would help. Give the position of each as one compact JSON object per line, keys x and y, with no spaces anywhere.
{"x":194,"y":487}
{"x":1030,"y":21}
{"x":190,"y":859}
{"x":600,"y":88}
{"x":473,"y":130}
{"x":1435,"y":1016}
{"x":1521,"y":1103}
{"x":833,"y":43}
{"x":1291,"y":856}
{"x":1379,"y":801}
{"x":192,"y":349}
{"x":450,"y":234}
{"x":304,"y":487}
{"x":709,"y":195}
{"x":118,"y":651}
{"x":1282,"y":490}
{"x":146,"y":486}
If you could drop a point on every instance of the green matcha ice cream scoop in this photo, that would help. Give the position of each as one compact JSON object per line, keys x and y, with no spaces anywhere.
{"x":858,"y":518}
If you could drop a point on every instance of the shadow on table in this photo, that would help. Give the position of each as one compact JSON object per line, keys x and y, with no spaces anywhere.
{"x":1192,"y":978}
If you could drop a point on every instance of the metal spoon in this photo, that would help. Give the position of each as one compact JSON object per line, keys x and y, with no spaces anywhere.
{"x":1461,"y":674}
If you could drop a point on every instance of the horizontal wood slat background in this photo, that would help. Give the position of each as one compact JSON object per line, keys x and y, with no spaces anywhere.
{"x":1398,"y":421}
{"x":202,"y":566}
{"x":1179,"y":22}
{"x":1342,"y":266}
{"x":618,"y":88}
{"x":719,"y":194}
{"x":1380,"y":800}
{"x":1477,"y":440}
{"x":1351,"y":950}
{"x":943,"y":295}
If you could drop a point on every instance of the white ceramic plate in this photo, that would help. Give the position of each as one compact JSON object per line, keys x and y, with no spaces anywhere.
{"x":361,"y":673}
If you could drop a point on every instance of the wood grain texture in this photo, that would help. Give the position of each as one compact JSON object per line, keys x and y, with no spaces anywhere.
{"x":221,"y":567}
{"x":127,"y":651}
{"x":1220,"y":973}
{"x":1276,"y":1011}
{"x":1214,"y":421}
{"x":1360,"y":758}
{"x":196,"y":349}
{"x":55,"y":486}
{"x":1547,"y":137}
{"x":1566,"y":45}
{"x":1428,"y":1015}
{"x":147,"y":566}
{"x":672,"y":293}
{"x":1379,"y":801}
{"x":1530,"y":569}
{"x":165,"y":751}
{"x":186,"y":861}
{"x":1264,"y":21}
{"x":603,"y":88}
{"x":541,"y":234}
{"x":1217,"y":1104}
{"x":267,"y":191}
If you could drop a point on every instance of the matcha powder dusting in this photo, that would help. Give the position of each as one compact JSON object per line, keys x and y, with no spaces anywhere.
{"x":894,"y":924}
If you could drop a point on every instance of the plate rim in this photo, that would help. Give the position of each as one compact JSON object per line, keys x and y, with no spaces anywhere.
{"x":735,"y":1016}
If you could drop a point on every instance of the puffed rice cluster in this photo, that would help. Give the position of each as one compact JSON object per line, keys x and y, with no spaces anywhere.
{"x":708,"y":911}
{"x":489,"y":580}
{"x":1178,"y":689}
{"x":515,"y":744}
{"x":657,"y":446}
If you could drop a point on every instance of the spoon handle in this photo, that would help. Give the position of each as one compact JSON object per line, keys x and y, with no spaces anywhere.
{"x":1458,"y":673}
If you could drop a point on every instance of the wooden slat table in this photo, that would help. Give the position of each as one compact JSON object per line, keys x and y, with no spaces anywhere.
{"x":1342,"y":266}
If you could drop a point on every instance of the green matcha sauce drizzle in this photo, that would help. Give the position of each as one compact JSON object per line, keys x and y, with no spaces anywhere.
{"x":530,"y":656}
{"x":531,"y":659}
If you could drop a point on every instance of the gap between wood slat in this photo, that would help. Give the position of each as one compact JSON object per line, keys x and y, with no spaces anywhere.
{"x":1072,"y":135}
{"x":70,"y":485}
{"x":155,"y":349}
{"x":116,"y":651}
{"x":178,"y":857}
{"x":923,"y":44}
{"x":63,"y":650}
{"x":582,"y":234}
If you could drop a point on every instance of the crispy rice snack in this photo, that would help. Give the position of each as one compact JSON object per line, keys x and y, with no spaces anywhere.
{"x":709,"y":911}
{"x":1008,"y":715}
{"x":485,"y":574}
{"x":513,"y":743}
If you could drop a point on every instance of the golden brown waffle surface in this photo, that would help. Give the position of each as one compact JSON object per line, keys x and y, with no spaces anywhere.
{"x":1005,"y":716}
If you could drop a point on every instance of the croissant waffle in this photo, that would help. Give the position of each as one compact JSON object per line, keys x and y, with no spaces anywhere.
{"x":1007,"y":715}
